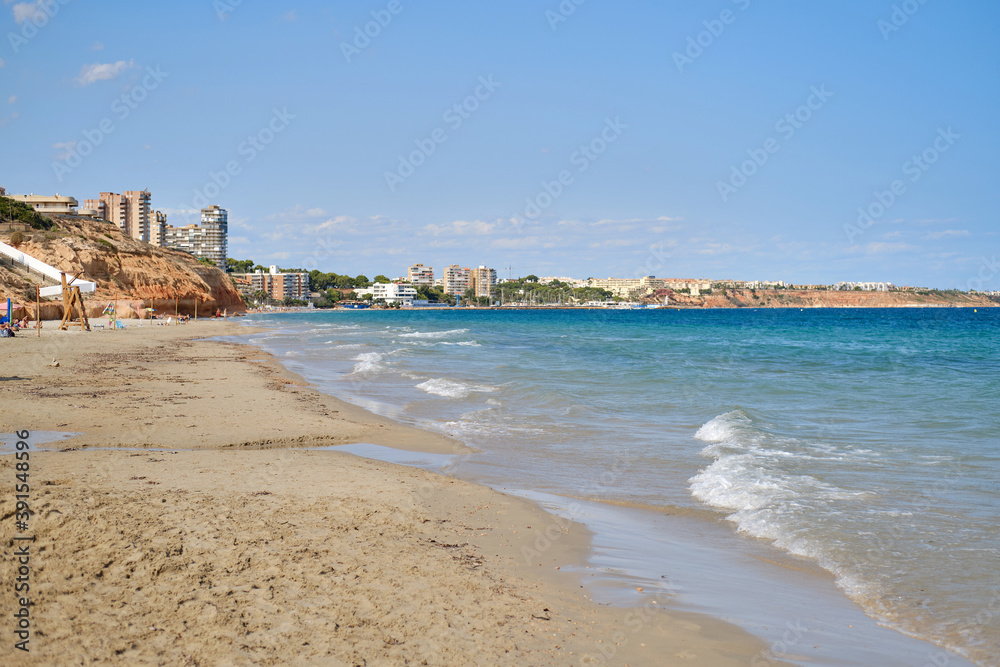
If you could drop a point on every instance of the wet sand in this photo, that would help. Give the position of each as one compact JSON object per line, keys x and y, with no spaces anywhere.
{"x":209,"y":535}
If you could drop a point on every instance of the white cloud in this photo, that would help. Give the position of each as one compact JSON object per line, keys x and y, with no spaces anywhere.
{"x":948,"y":233}
{"x":290,"y":16}
{"x":12,"y":99}
{"x":1,"y":62}
{"x":101,"y":72}
{"x":935,"y":221}
{"x":64,"y":149}
{"x":616,"y":243}
{"x":632,"y":221}
{"x":298,"y":212}
{"x":462,"y":227}
{"x":180,"y":211}
{"x":26,"y":11}
{"x":526,"y":243}
{"x":879,"y":248}
{"x":341,"y":223}
{"x":97,"y":47}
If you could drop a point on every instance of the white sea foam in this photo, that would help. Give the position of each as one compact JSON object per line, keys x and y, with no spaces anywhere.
{"x":437,"y":343}
{"x":749,"y":479}
{"x":724,"y":427}
{"x":451,"y":389}
{"x":433,"y":334}
{"x":370,"y":363}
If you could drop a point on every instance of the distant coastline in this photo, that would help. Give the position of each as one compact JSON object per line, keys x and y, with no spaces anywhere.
{"x":764,"y":298}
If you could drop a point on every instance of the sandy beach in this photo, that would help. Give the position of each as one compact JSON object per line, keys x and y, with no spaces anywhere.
{"x":210,"y":534}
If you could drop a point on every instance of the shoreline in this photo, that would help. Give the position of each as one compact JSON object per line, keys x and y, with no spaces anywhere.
{"x":837,"y":624}
{"x":161,"y":553}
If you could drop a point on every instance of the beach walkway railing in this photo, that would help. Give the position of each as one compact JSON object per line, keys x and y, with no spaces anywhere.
{"x":30,"y":264}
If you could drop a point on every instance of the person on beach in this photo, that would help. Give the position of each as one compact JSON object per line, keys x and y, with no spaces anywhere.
{"x":6,"y":331}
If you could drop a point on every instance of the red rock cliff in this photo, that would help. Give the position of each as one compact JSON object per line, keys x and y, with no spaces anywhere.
{"x":140,"y":274}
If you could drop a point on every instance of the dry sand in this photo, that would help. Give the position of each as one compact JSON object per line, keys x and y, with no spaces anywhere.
{"x":240,"y":547}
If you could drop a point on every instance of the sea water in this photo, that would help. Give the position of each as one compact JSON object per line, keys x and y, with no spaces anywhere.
{"x":866,"y":441}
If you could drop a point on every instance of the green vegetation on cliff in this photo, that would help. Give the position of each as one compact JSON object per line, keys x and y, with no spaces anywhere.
{"x":15,"y":211}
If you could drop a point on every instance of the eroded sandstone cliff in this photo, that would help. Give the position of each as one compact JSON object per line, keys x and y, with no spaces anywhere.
{"x":138,"y":274}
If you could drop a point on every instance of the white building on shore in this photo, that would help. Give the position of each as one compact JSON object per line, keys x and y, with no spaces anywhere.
{"x":49,"y":204}
{"x":400,"y":293}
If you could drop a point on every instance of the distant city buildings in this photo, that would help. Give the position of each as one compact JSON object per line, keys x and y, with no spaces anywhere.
{"x":46,"y":204}
{"x":456,"y":280}
{"x":158,"y":232}
{"x":865,"y":287}
{"x":130,"y":211}
{"x":572,"y":282}
{"x":482,"y":281}
{"x":632,"y":287}
{"x":208,"y":241}
{"x":750,"y":284}
{"x":275,"y":284}
{"x":418,"y":274}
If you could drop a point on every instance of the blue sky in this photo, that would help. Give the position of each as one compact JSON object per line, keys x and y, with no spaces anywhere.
{"x":720,"y":139}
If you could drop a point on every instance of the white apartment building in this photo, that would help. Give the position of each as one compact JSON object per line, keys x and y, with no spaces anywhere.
{"x":46,"y":204}
{"x":390,"y":293}
{"x":418,"y":274}
{"x":209,"y":241}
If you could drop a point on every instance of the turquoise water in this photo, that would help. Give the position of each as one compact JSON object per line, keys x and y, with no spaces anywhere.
{"x":867,"y":441}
